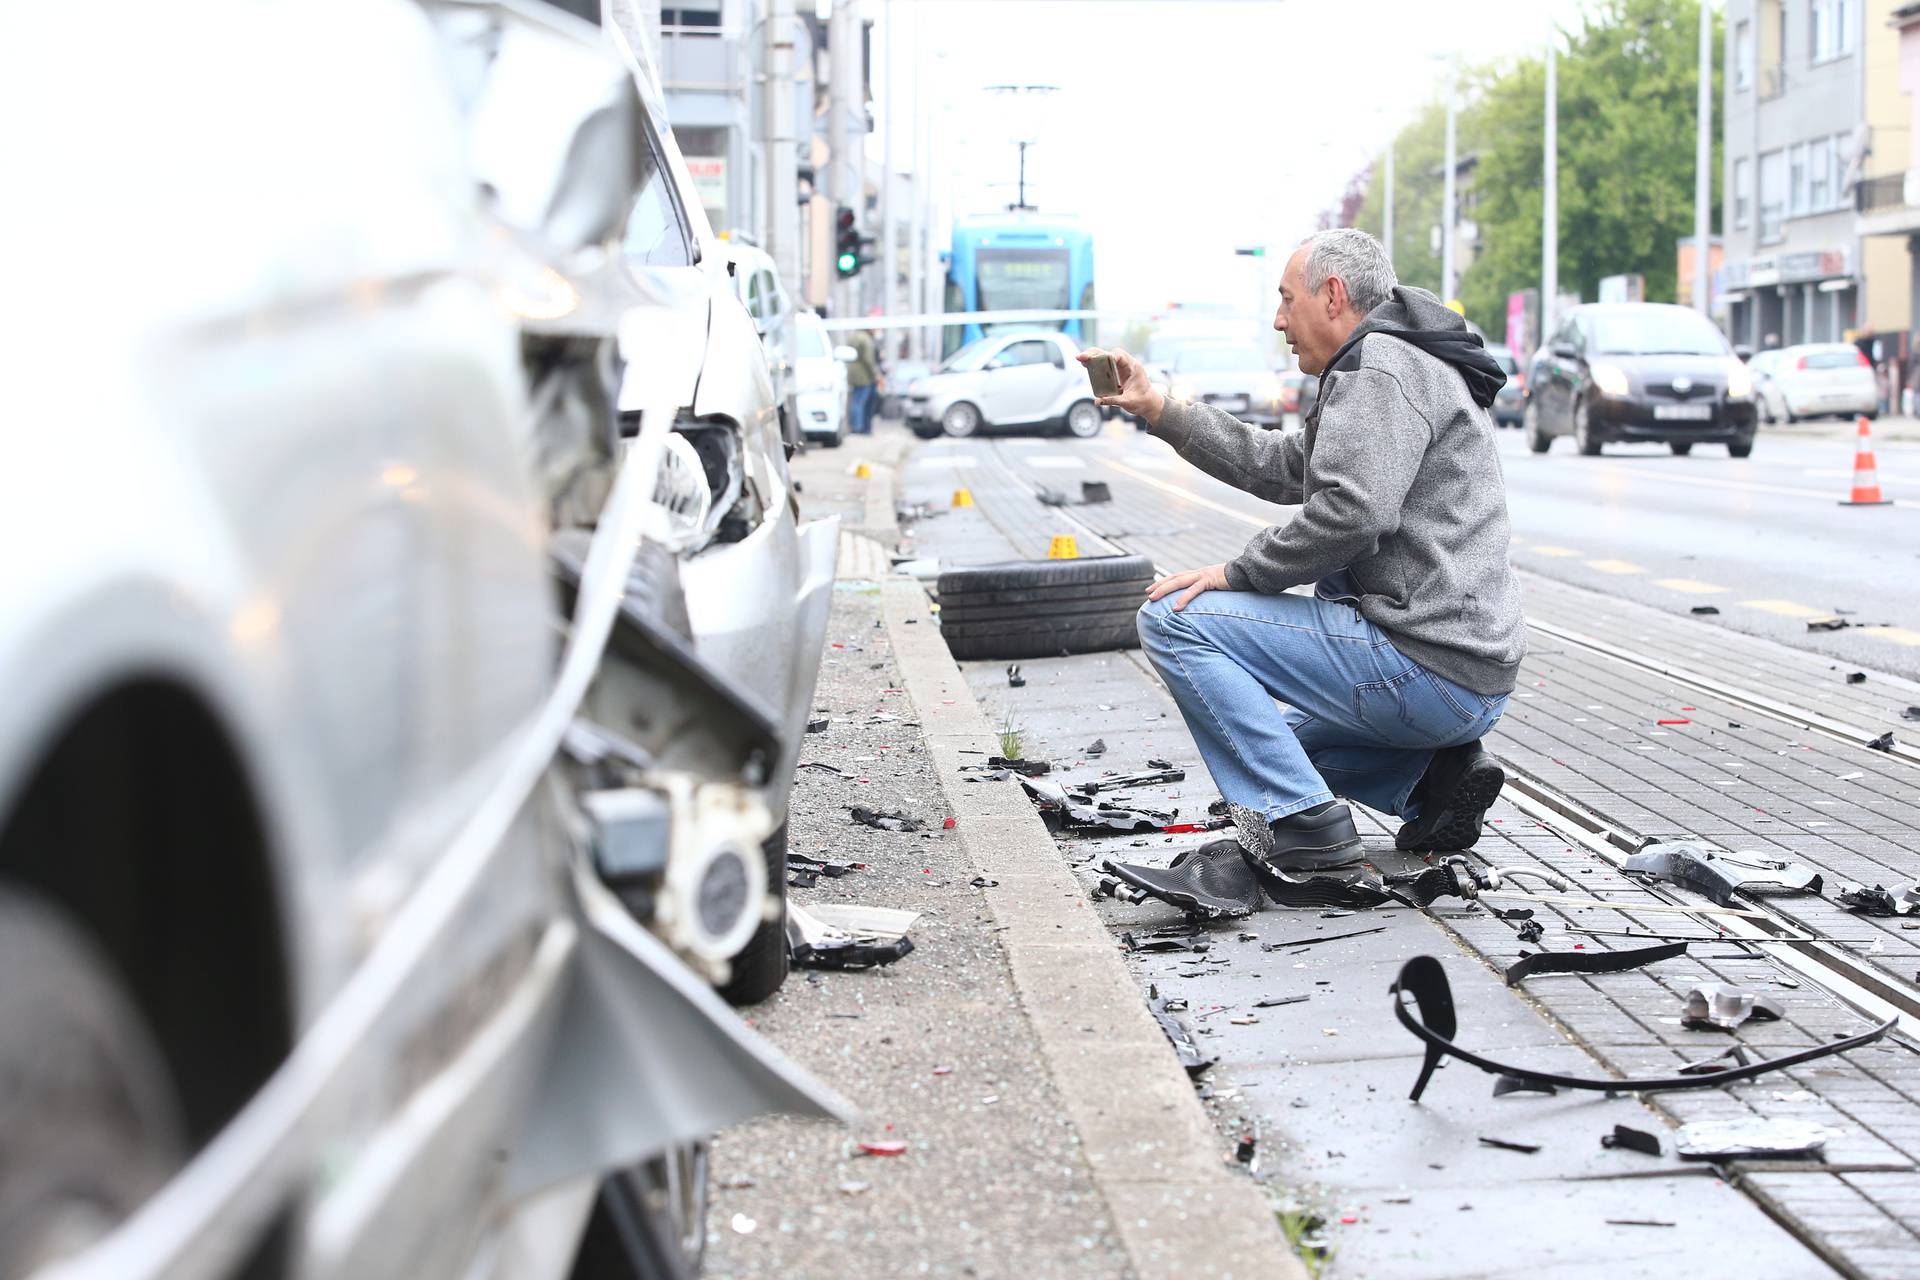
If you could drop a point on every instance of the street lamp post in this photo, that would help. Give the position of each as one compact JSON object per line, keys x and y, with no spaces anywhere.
{"x":1447,"y":283}
{"x":1702,"y":157}
{"x":1550,"y":203}
{"x":1386,"y":206}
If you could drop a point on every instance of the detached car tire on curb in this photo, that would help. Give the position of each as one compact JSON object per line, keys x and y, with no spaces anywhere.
{"x":1043,"y":608}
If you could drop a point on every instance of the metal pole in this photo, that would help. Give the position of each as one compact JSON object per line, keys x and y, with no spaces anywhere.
{"x":917,"y":231}
{"x":843,"y":126}
{"x":889,"y":248}
{"x":1446,"y":196}
{"x":1702,"y":157}
{"x":783,"y":184}
{"x":1386,"y":207}
{"x":1550,"y":204}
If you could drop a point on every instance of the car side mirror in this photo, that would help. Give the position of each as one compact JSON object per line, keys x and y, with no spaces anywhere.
{"x":846,"y":354}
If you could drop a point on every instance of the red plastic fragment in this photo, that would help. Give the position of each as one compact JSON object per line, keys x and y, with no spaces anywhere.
{"x":888,"y":1148}
{"x":1681,"y":720}
{"x":1183,"y":828}
{"x":949,"y":824}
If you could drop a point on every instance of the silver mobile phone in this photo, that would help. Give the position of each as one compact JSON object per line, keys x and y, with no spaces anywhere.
{"x":1100,"y":373}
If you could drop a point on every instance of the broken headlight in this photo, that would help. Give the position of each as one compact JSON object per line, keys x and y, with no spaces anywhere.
{"x":683,"y":495}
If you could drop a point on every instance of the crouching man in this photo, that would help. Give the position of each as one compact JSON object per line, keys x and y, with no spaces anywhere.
{"x":1402,"y":658}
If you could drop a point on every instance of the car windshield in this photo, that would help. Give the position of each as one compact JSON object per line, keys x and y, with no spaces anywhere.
{"x":813,"y":341}
{"x":1656,"y":331}
{"x":1219,"y":359}
{"x":969,"y":357}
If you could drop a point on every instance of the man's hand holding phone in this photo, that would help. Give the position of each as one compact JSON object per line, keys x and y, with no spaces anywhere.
{"x":1131,"y":389}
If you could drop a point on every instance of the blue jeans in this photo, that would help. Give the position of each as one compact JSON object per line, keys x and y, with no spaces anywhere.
{"x":860,"y":409}
{"x":1362,"y":719}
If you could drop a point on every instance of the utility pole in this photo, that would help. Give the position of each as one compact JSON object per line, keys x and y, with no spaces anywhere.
{"x":1447,"y":284}
{"x":1550,"y":203}
{"x":889,"y":248}
{"x":917,"y":229}
{"x":1702,"y":157}
{"x":846,"y":120}
{"x":782,"y":157}
{"x":1386,"y":206}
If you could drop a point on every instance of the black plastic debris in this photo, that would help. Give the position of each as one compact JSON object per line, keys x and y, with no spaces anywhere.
{"x":1504,"y":1084}
{"x":1911,"y":713}
{"x":1299,"y":943}
{"x":846,"y":937}
{"x":1750,"y":1138}
{"x":1530,"y":931}
{"x":1212,"y":881}
{"x":981,"y":882}
{"x":1160,"y":764}
{"x":1353,"y":890}
{"x":1720,"y":1006}
{"x":1121,"y":781}
{"x":1856,"y":677}
{"x":885,"y":821}
{"x":802,"y":879}
{"x":1432,"y":1020}
{"x":1716,"y":873}
{"x":1501,"y":1144}
{"x":817,"y":726}
{"x":1244,"y":1149}
{"x":1063,"y":808}
{"x":1734,"y":1056}
{"x":1882,"y":743}
{"x":820,"y":866}
{"x":824,"y":767}
{"x":1098,"y":747}
{"x":1028,"y":768}
{"x":1624,"y":1138}
{"x":1704,"y":610}
{"x":1166,"y":940}
{"x":1014,"y":679}
{"x":1534,"y":962}
{"x":1880,"y":901}
{"x":1274,"y":1002}
{"x":1827,"y":624}
{"x":1179,"y":1035}
{"x":1093,"y":492}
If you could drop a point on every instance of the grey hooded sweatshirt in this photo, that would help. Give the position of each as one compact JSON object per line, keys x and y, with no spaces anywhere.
{"x":1403,"y":507}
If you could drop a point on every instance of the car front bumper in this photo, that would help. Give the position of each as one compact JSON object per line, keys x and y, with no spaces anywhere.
{"x":1636,"y":419}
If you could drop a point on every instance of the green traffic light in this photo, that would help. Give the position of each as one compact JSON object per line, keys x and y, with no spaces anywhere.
{"x":848,"y":263}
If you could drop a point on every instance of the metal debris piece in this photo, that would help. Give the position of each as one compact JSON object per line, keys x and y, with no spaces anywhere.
{"x":884,"y":820}
{"x":1735,"y":1056}
{"x":1057,"y":803}
{"x":1166,"y":941}
{"x":1121,"y":781}
{"x":824,"y":767}
{"x":1705,"y":610}
{"x":1098,"y":747}
{"x":1880,"y":901}
{"x":1014,"y":679}
{"x":1721,"y":1006}
{"x":1028,"y":768}
{"x":1856,"y":677}
{"x":1751,"y":1138}
{"x":1274,"y":1002}
{"x":820,"y":866}
{"x":1425,"y":980}
{"x":1093,"y":492}
{"x":1212,"y":881}
{"x":1501,"y":1144}
{"x":1827,"y":624}
{"x":1315,"y":941}
{"x":1161,"y":764}
{"x":1628,"y":1139}
{"x":1179,"y":1035}
{"x":818,"y":726}
{"x":1531,"y":931}
{"x":1504,"y":1084}
{"x":1534,"y":962}
{"x":1637,"y":1222}
{"x":1456,"y":877}
{"x":1911,"y":713}
{"x":845,"y":936}
{"x":1716,"y":873}
{"x":1882,"y":743}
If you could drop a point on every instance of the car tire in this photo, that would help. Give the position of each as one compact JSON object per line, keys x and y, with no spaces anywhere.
{"x":650,"y":1221}
{"x":1740,"y":448}
{"x":90,"y":1124}
{"x":1084,"y":420}
{"x":1681,"y":448}
{"x":762,"y":965}
{"x":1537,"y":440}
{"x":1583,"y":431}
{"x":960,"y":420}
{"x":1043,"y":608}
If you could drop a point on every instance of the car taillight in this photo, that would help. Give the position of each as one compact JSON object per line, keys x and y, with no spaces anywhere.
{"x":1862,"y":357}
{"x":1801,"y":363}
{"x":1519,"y":381}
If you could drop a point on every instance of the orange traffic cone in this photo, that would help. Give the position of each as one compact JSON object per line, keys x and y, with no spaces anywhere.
{"x":1866,"y":476}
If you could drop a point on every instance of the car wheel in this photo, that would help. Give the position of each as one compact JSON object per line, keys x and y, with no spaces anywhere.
{"x":960,"y":420}
{"x":1740,"y":448}
{"x":649,"y":1221}
{"x":89,"y":1124}
{"x":1681,"y":448}
{"x":1537,"y":440}
{"x":1084,"y":420}
{"x":761,"y":967}
{"x":1043,"y":608}
{"x":1583,"y":430}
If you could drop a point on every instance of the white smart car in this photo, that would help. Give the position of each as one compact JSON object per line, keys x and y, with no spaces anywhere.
{"x":1023,"y":379}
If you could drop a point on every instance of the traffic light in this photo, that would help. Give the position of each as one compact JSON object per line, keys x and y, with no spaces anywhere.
{"x":847,"y":244}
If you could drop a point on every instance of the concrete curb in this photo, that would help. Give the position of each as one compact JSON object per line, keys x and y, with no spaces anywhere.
{"x":1179,"y":1210}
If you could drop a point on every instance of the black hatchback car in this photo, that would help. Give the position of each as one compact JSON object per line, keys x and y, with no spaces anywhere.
{"x":1639,"y":372}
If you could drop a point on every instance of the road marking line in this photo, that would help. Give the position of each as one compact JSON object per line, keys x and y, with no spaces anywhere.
{"x":1785,"y":608}
{"x":1614,"y":566}
{"x":1692,"y":586}
{"x":1702,"y":482}
{"x":1899,"y":635}
{"x":1056,"y":462}
{"x":1554,"y":551}
{"x":936,"y":464}
{"x":1195,"y":498}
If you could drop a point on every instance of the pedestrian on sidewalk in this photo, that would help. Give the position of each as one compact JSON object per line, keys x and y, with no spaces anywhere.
{"x":1402,"y":658}
{"x":863,"y":382}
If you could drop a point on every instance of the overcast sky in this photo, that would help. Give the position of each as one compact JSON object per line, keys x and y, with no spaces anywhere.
{"x":1181,"y":128}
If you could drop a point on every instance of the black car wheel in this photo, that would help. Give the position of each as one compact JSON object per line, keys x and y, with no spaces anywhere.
{"x":1583,"y":430}
{"x":1740,"y":448}
{"x":1681,"y":448}
{"x":761,"y":967}
{"x":1537,"y":440}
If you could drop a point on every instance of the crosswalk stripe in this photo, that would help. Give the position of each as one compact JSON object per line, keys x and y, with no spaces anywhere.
{"x":1692,"y":586}
{"x":1615,"y":566}
{"x":1554,"y":551}
{"x":1899,"y":635}
{"x":1785,"y":608}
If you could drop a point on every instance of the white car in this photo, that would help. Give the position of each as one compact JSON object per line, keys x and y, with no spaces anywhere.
{"x":756,"y":282}
{"x":1022,"y":379}
{"x":1234,"y":376}
{"x":1813,"y":380}
{"x":820,"y":378}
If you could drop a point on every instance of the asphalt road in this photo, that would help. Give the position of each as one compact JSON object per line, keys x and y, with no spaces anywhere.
{"x":1764,"y":540}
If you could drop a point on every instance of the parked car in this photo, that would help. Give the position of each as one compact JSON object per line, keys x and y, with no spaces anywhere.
{"x":1298,"y":391}
{"x":758,"y":580}
{"x":1813,"y":380}
{"x":1233,"y":376}
{"x":307,"y":965}
{"x":1509,"y":406}
{"x":1639,"y":371}
{"x":820,"y":376}
{"x":1019,"y":379}
{"x":756,"y":283}
{"x":901,"y":375}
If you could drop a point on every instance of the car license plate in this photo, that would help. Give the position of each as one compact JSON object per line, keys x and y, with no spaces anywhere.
{"x":1232,"y":404}
{"x":1683,"y":412}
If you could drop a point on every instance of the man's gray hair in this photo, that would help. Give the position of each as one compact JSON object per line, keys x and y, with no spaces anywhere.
{"x":1357,"y":258}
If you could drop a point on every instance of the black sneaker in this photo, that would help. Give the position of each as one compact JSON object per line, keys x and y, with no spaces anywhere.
{"x":1316,"y":839}
{"x":1455,"y":792}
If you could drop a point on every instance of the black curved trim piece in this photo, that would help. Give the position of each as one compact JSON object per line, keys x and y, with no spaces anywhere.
{"x":1425,"y":980}
{"x":1589,"y":961}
